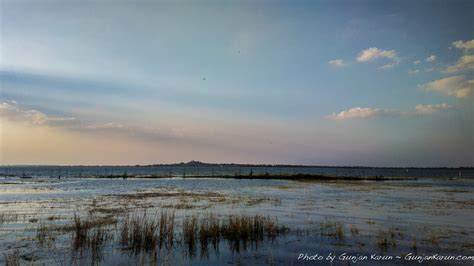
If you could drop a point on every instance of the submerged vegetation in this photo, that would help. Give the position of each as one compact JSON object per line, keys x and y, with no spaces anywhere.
{"x":144,"y":233}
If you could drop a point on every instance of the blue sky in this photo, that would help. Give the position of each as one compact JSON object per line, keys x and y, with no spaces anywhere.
{"x":383,"y":83}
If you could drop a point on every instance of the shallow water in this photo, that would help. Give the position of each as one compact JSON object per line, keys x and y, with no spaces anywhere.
{"x":436,"y":213}
{"x":187,"y":170}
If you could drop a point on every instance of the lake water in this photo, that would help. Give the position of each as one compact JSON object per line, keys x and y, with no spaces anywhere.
{"x":430,"y":215}
{"x":226,"y":170}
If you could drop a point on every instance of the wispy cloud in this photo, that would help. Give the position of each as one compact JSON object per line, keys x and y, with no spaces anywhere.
{"x":431,"y":58}
{"x":109,"y":125}
{"x":464,"y":45}
{"x":338,"y":63}
{"x":457,"y":86}
{"x":431,"y":108}
{"x":374,"y":53}
{"x":358,"y":113}
{"x":369,"y":112}
{"x":465,"y":63}
{"x":11,"y":111}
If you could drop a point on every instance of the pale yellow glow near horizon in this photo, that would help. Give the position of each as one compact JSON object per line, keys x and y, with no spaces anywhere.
{"x":26,"y":143}
{"x":22,"y":143}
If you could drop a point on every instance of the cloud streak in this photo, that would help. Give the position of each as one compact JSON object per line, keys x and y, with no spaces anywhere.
{"x":431,"y":58}
{"x":464,"y":45}
{"x":338,"y":63}
{"x":457,"y":86}
{"x":358,"y":113}
{"x":34,"y":119}
{"x":431,"y":108}
{"x":369,"y":112}
{"x":11,"y":111}
{"x":373,"y":53}
{"x":464,"y":64}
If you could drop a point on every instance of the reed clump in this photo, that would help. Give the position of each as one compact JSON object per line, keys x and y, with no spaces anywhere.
{"x":335,"y":230}
{"x":166,"y":229}
{"x":236,"y":229}
{"x":190,"y":230}
{"x":41,"y":234}
{"x":209,"y":231}
{"x":80,"y":230}
{"x":90,"y":234}
{"x":12,"y":259}
{"x":250,"y":228}
{"x":96,"y":241}
{"x":138,"y":233}
{"x":381,"y":240}
{"x":385,"y":239}
{"x":413,"y":245}
{"x":354,"y":230}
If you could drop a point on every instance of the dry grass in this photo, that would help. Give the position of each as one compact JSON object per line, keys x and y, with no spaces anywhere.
{"x":413,"y":245}
{"x":96,"y":241}
{"x":166,"y":229}
{"x":88,"y":223}
{"x":80,"y":231}
{"x":190,"y":229}
{"x":385,"y":239}
{"x":209,"y":231}
{"x":354,"y":230}
{"x":80,"y":228}
{"x":9,"y":217}
{"x":138,"y":233}
{"x":238,"y":230}
{"x":12,"y":259}
{"x":89,"y":234}
{"x":41,"y":234}
{"x":381,"y":240}
{"x":333,"y":229}
{"x":52,"y":218}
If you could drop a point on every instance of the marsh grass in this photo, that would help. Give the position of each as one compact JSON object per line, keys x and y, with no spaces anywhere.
{"x":381,"y":240}
{"x":91,"y":235}
{"x":96,"y":242}
{"x":333,"y":229}
{"x":9,"y":217}
{"x":80,"y":231}
{"x":413,"y":245}
{"x":190,"y":229}
{"x":138,"y":233}
{"x":41,"y":234}
{"x":166,"y":229}
{"x":354,"y":231}
{"x":238,"y":230}
{"x":12,"y":259}
{"x":385,"y":239}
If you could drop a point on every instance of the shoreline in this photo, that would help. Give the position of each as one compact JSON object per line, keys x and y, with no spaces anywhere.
{"x":296,"y":177}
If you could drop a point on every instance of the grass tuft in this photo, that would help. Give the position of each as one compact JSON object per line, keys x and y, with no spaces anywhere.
{"x":12,"y":259}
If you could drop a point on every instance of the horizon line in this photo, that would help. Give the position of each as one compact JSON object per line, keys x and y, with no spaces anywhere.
{"x":231,"y":163}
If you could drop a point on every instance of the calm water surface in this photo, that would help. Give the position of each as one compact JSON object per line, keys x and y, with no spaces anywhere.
{"x":435,"y":213}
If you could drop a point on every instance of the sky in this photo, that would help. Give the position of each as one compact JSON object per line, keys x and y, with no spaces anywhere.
{"x":368,"y":83}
